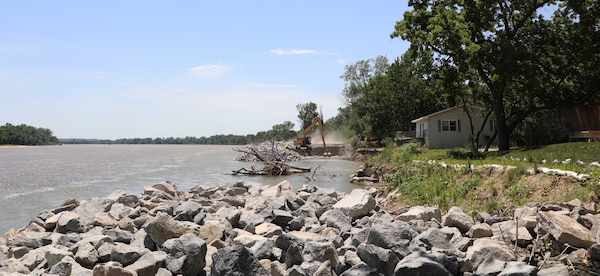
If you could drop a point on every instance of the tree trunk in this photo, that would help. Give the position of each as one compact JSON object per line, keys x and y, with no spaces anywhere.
{"x":501,"y":127}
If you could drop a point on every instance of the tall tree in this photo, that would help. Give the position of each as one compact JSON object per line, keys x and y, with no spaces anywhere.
{"x":306,"y":114}
{"x":405,"y":92}
{"x":527,"y":62}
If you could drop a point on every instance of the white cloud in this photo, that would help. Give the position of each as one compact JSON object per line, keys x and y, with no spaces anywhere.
{"x":210,"y":71}
{"x":281,"y":52}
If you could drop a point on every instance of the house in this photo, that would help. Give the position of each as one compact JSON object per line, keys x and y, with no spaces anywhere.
{"x":582,"y":121}
{"x":450,"y":128}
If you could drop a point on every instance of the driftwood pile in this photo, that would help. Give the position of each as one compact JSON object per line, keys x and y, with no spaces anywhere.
{"x":272,"y":156}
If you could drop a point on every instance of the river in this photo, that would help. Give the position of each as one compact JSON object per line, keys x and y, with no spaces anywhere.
{"x":33,"y":179}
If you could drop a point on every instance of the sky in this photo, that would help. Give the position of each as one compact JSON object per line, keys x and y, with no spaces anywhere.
{"x":137,"y":69}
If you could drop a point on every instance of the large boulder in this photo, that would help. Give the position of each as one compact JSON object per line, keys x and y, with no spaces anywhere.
{"x":384,"y":260}
{"x":419,"y":263}
{"x":565,"y":229}
{"x":485,"y":248}
{"x":423,"y":213}
{"x":69,"y":222}
{"x":457,"y":218}
{"x":394,"y":235}
{"x":236,"y":260}
{"x":356,"y":204}
{"x":127,"y":254}
{"x":186,"y":254}
{"x":164,"y":227}
{"x":148,"y":264}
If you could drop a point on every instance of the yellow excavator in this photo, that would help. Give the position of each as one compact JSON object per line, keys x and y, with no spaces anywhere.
{"x":304,"y":142}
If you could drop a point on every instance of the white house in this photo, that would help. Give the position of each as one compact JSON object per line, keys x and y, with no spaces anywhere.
{"x":450,"y":128}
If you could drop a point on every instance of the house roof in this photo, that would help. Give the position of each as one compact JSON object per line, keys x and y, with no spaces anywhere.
{"x":424,"y":118}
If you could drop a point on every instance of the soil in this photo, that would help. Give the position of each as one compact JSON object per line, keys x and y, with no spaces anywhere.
{"x":541,"y":188}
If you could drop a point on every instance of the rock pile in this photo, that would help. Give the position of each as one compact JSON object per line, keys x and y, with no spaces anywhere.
{"x":249,"y":229}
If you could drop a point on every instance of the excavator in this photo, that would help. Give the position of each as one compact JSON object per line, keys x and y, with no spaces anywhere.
{"x":304,"y":142}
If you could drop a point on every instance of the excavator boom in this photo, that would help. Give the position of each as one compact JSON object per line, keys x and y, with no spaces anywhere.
{"x":304,"y":142}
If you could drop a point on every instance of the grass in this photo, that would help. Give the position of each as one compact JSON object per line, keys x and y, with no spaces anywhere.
{"x":423,"y":182}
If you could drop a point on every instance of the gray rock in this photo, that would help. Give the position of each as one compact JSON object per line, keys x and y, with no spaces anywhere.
{"x":485,"y":248}
{"x":61,"y":268}
{"x":187,"y":210}
{"x":17,"y":252}
{"x":394,"y":235}
{"x":250,"y":218}
{"x":75,"y":268}
{"x":560,"y":270}
{"x":457,"y":218}
{"x":186,"y":254}
{"x":356,"y":204}
{"x":360,"y":270}
{"x":112,"y":268}
{"x":565,"y":229}
{"x":70,"y":222}
{"x":384,"y":260}
{"x":104,"y":252}
{"x":419,"y":263}
{"x":54,"y":255}
{"x":126,"y":254}
{"x":211,"y":231}
{"x":508,"y":230}
{"x":434,"y":239}
{"x":357,"y":236}
{"x":336,"y":218}
{"x":87,"y":209}
{"x":118,"y":235}
{"x":28,"y":239}
{"x":236,"y":260}
{"x":293,"y":255}
{"x":163,"y":227}
{"x":321,"y":252}
{"x":281,"y":218}
{"x":260,"y":246}
{"x":490,"y":267}
{"x":148,"y":264}
{"x":480,"y":230}
{"x":87,"y":255}
{"x":594,"y":252}
{"x":421,"y":213}
{"x":518,"y":269}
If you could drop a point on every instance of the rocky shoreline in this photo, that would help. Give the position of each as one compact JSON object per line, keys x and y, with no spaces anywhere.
{"x":251,"y":229}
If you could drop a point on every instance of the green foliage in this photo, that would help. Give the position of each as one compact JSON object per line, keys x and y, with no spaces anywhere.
{"x":513,"y":60}
{"x":26,"y":135}
{"x":306,"y":114}
{"x":383,"y":98}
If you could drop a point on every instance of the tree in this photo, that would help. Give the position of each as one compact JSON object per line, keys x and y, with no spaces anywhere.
{"x":283,"y":131}
{"x":356,"y":77}
{"x":526,"y":61}
{"x":306,"y":114}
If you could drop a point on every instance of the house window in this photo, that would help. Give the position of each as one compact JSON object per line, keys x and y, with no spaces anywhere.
{"x":449,"y":125}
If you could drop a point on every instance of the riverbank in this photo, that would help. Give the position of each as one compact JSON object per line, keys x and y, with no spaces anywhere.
{"x":279,"y":230}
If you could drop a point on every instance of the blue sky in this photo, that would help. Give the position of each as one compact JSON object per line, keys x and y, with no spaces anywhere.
{"x":124,"y":69}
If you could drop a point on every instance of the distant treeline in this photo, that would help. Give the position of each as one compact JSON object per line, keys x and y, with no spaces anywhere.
{"x":278,"y":132}
{"x":26,"y":135}
{"x":212,"y":140}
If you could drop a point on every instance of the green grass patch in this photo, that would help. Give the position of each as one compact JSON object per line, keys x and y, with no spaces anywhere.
{"x":422,"y":182}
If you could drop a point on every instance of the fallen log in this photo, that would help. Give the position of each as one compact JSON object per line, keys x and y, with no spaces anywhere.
{"x":272,"y":168}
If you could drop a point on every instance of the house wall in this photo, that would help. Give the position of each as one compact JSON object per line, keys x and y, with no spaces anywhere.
{"x":452,"y":139}
{"x":581,"y":118}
